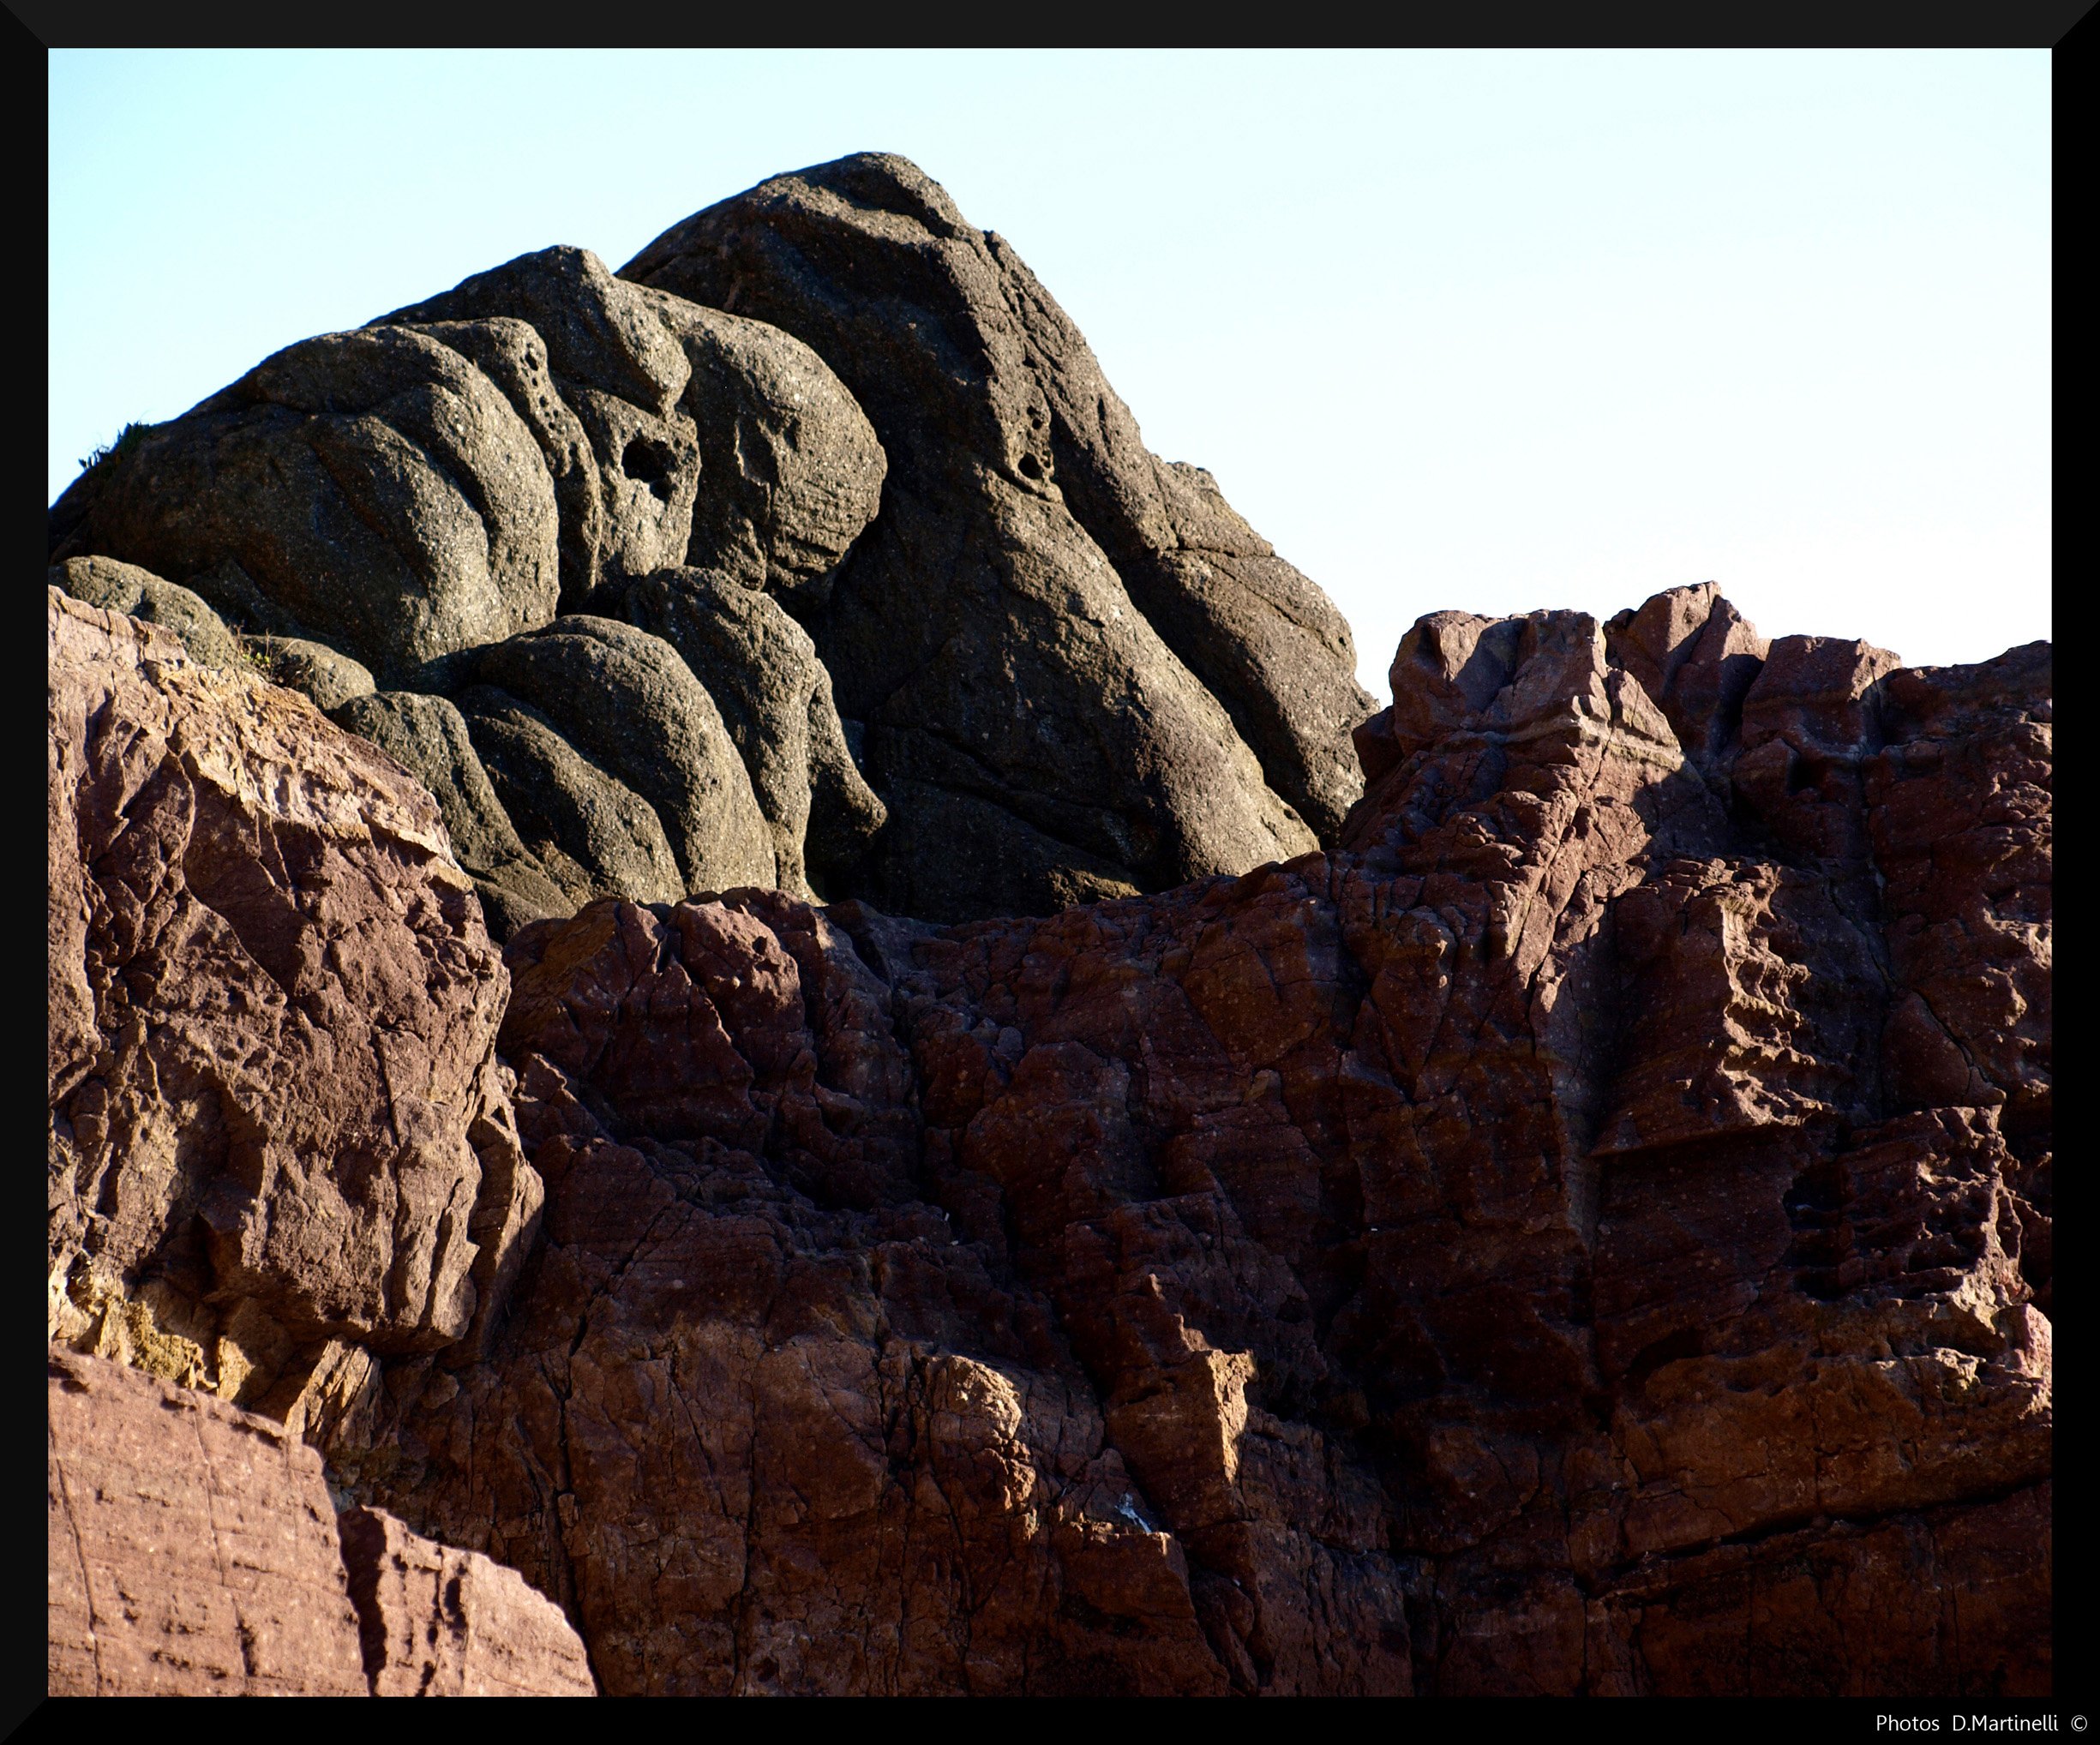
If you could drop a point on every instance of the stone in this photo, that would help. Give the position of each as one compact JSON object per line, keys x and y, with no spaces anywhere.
{"x":775,"y":695}
{"x":790,"y":472}
{"x":590,"y":833}
{"x":279,"y":1132}
{"x":1520,"y":1250}
{"x":126,"y":588}
{"x":597,"y":376}
{"x":427,"y":737}
{"x":1049,"y":636}
{"x":192,"y":1549}
{"x":626,"y":701}
{"x":325,"y":678}
{"x":440,"y":1623}
{"x":372,"y":490}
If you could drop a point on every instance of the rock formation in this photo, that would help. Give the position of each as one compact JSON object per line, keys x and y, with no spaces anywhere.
{"x":194,"y":1551}
{"x":280,"y":1138}
{"x":1069,"y":668}
{"x":1543,"y":1246}
{"x":1080,"y":674}
{"x":1585,"y":1229}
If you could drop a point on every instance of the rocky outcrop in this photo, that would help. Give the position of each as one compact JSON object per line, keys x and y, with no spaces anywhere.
{"x":1068,"y":669}
{"x":194,"y":1551}
{"x":433,"y":1621}
{"x":1516,"y":1252}
{"x":411,"y":504}
{"x":1079,"y":672}
{"x":1587,"y":1229}
{"x":280,"y":1139}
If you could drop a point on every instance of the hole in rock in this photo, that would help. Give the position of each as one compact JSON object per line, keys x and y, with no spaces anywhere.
{"x":648,"y":462}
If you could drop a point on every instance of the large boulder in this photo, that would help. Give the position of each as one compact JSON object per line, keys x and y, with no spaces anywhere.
{"x":279,"y":1136}
{"x":590,"y":833}
{"x":1062,"y":650}
{"x":775,"y":695}
{"x":374,"y":490}
{"x":626,"y":701}
{"x":791,"y":470}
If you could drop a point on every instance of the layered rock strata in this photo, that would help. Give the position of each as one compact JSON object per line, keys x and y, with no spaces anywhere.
{"x":1544,"y":1247}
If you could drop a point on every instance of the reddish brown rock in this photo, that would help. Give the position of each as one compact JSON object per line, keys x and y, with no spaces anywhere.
{"x":434,"y":1621}
{"x":280,"y":1139}
{"x":1589,"y":1234}
{"x":1529,"y":1249}
{"x":1533,"y":1248}
{"x":192,"y":1549}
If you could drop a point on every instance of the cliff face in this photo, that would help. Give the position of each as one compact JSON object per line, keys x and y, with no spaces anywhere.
{"x":1546,"y":1189}
{"x":1587,"y":1233}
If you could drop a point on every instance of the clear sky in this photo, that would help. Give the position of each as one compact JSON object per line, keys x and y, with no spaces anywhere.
{"x":1492,"y":330}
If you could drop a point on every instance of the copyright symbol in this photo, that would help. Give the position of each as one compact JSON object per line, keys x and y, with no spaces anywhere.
{"x":2078,"y":1723}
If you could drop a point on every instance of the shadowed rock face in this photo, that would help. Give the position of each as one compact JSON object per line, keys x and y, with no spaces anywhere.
{"x":1078,"y":669}
{"x":1589,"y":1234}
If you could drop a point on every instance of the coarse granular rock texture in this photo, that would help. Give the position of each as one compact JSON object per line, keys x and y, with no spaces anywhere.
{"x":434,"y":1621}
{"x":1069,"y":670}
{"x":1079,"y":672}
{"x":1587,"y":1233}
{"x":280,"y":1140}
{"x":192,"y":1549}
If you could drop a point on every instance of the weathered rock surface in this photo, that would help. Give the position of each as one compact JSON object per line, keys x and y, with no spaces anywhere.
{"x":280,"y":1139}
{"x":625,"y":699}
{"x":760,"y":666}
{"x":791,"y":470}
{"x":1524,"y":1250}
{"x":427,"y":737}
{"x":1062,"y":649}
{"x":374,"y":490}
{"x":126,"y":588}
{"x":593,"y":834}
{"x":192,"y":1549}
{"x":434,"y":1621}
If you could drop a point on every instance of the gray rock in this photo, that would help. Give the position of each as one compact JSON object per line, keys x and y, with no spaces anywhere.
{"x":983,"y":627}
{"x":791,"y":470}
{"x":610,"y":359}
{"x":593,"y":834}
{"x":373,"y":490}
{"x":328,"y":678}
{"x":123,"y":587}
{"x":762,"y":670}
{"x":427,"y":737}
{"x":625,"y":700}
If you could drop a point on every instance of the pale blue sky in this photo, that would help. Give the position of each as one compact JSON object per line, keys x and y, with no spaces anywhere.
{"x":1492,"y":330}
